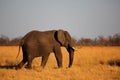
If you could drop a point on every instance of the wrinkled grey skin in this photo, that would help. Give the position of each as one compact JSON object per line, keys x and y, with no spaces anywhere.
{"x":37,"y":43}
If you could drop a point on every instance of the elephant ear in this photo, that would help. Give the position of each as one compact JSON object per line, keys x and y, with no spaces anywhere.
{"x":61,"y":37}
{"x":68,"y":39}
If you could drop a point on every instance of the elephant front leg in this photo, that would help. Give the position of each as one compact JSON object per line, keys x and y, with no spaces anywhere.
{"x":58,"y":56}
{"x":71,"y":55}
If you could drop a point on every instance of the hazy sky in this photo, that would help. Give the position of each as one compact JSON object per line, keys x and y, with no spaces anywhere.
{"x":82,"y":18}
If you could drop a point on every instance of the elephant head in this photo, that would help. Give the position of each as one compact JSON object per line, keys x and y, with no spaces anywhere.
{"x":64,"y":38}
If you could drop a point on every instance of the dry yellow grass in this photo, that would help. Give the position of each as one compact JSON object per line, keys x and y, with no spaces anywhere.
{"x":90,"y":63}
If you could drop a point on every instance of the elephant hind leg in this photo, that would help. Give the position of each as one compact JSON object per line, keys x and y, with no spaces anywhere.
{"x":29,"y":64}
{"x":20,"y":65}
{"x":44,"y":60}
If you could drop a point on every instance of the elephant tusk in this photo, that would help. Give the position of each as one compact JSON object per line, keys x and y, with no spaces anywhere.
{"x":77,"y":49}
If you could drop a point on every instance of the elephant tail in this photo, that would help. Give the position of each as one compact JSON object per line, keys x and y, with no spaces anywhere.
{"x":21,"y":43}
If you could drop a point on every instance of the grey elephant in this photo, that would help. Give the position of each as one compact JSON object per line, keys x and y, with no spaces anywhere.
{"x":42,"y":43}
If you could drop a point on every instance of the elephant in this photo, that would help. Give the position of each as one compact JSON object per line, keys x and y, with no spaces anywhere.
{"x":42,"y":43}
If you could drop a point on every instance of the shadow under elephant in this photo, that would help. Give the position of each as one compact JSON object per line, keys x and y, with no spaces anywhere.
{"x":8,"y":66}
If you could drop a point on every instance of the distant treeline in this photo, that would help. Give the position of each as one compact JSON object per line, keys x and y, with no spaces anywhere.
{"x":5,"y":41}
{"x":99,"y":41}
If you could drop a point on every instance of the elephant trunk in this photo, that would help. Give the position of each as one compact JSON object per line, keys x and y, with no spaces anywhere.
{"x":71,"y":55}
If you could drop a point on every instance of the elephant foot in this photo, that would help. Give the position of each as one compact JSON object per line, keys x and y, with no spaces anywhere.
{"x":17,"y":67}
{"x":60,"y":66}
{"x":28,"y":67}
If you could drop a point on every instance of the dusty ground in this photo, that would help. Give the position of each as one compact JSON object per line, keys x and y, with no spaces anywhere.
{"x":90,"y":63}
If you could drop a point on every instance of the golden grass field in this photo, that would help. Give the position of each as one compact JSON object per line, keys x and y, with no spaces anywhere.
{"x":90,"y":63}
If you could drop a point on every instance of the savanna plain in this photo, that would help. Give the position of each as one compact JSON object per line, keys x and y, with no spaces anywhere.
{"x":90,"y":63}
